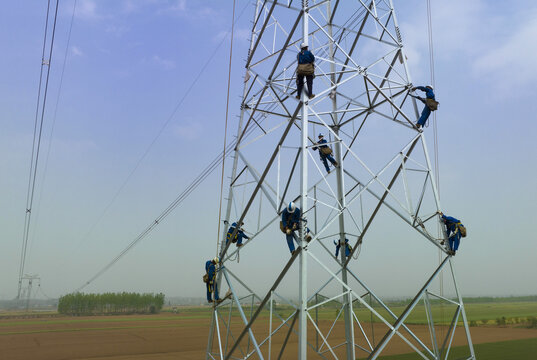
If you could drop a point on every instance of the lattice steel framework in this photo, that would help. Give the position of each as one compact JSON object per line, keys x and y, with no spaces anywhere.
{"x":384,"y":180}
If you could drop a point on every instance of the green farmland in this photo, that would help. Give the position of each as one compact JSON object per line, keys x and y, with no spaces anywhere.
{"x":487,"y":312}
{"x":505,"y":350}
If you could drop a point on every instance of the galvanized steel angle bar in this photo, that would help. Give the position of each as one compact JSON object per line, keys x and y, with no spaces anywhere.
{"x":274,"y":128}
{"x":332,"y":326}
{"x":271,"y":74}
{"x":347,"y":287}
{"x":264,"y":301}
{"x":370,"y":109}
{"x":387,"y":98}
{"x":263,"y":27}
{"x":321,"y":334}
{"x":243,"y":316}
{"x":465,"y":320}
{"x":422,"y":195}
{"x":451,"y":333}
{"x":327,"y":300}
{"x":386,"y":308}
{"x":265,"y":172}
{"x":335,"y":43}
{"x":440,"y":297}
{"x":374,"y":15}
{"x":400,"y":320}
{"x":363,"y":334}
{"x":252,"y":238}
{"x":430,"y":323}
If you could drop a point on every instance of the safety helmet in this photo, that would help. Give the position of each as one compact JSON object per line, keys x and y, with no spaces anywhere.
{"x":234,"y":225}
{"x":321,"y":135}
{"x":291,"y":207}
{"x":303,"y":45}
{"x":429,"y":87}
{"x":215,"y":260}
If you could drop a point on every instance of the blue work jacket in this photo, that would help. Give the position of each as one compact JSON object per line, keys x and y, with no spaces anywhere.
{"x":451,"y":224}
{"x":305,"y":57}
{"x":428,"y":92}
{"x":210,"y":268}
{"x":289,"y":219}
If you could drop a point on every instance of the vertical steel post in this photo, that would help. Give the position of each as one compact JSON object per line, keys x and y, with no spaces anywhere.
{"x":230,"y":195}
{"x":303,"y":270}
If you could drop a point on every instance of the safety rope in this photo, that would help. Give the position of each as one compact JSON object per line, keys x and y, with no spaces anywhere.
{"x":436,"y":157}
{"x":225,"y":129}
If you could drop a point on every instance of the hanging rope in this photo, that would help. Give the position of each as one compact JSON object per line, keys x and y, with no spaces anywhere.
{"x":436,"y":157}
{"x":225,"y":128}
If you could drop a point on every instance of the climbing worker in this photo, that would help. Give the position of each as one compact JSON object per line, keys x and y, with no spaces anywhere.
{"x":454,"y":231}
{"x":305,"y":68}
{"x":430,"y":104}
{"x":325,"y":153}
{"x":210,"y":280}
{"x":238,"y":236}
{"x":348,"y":248}
{"x":290,"y":223}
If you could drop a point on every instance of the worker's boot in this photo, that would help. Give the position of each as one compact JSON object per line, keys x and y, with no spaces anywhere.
{"x":308,"y":238}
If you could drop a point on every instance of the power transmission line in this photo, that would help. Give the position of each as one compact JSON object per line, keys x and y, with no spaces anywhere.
{"x":161,"y":130}
{"x":53,"y":122}
{"x":36,"y":146}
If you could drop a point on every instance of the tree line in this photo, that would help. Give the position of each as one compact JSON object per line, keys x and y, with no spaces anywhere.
{"x":110,"y":303}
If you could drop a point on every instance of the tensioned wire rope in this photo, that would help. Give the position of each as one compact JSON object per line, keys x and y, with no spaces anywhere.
{"x":183,"y":195}
{"x":225,"y":129}
{"x":180,"y":198}
{"x":36,"y":146}
{"x":161,"y":130}
{"x":436,"y":156}
{"x":43,"y":176}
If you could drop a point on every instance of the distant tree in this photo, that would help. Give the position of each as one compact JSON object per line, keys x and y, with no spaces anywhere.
{"x":110,"y":303}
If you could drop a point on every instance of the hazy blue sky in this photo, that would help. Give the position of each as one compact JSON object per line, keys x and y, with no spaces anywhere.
{"x":130,"y":62}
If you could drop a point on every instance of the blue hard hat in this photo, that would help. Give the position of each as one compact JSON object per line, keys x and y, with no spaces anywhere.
{"x":234,"y":224}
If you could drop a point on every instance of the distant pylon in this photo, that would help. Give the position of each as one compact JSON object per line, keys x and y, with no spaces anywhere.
{"x":383,"y":180}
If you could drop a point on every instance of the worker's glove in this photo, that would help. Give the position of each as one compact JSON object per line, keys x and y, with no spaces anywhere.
{"x":294,"y":226}
{"x":288,"y":231}
{"x":413,"y":89}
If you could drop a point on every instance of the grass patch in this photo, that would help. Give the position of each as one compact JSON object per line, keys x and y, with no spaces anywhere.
{"x":514,"y":349}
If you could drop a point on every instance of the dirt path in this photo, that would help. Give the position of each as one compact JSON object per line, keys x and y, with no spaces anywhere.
{"x":164,"y":337}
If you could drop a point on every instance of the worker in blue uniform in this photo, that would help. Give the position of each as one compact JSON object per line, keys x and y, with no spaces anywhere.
{"x":348,"y":248}
{"x":238,"y":236}
{"x":290,"y":223}
{"x":453,"y":232}
{"x":306,"y":68}
{"x":212,"y":286}
{"x":325,"y":153}
{"x":430,"y":104}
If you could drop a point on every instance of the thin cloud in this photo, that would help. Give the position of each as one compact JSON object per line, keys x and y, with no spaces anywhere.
{"x":506,"y":64}
{"x":87,"y":9}
{"x":182,"y":9}
{"x":164,"y":63}
{"x":190,"y":131}
{"x":76,"y":51}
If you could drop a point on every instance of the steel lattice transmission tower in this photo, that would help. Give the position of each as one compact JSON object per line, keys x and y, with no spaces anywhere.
{"x":383,"y":186}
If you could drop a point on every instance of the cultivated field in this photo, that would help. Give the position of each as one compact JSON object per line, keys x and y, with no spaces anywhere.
{"x":184,"y":335}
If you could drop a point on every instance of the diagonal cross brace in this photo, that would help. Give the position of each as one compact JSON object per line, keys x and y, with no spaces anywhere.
{"x":395,"y":176}
{"x":265,"y":300}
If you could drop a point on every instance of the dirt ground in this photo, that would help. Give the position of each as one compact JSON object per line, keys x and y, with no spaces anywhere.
{"x":165,"y":336}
